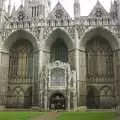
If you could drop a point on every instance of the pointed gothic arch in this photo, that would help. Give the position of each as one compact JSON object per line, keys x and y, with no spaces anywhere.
{"x":99,"y":58}
{"x":17,"y":97}
{"x":93,"y":98}
{"x":57,"y":101}
{"x":106,"y":97}
{"x":59,"y":51}
{"x":99,"y":31}
{"x":59,"y":33}
{"x":99,"y":44}
{"x":17,"y":35}
{"x":23,"y":62}
{"x":60,"y":41}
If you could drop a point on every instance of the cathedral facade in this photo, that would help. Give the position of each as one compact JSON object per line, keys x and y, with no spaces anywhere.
{"x":50,"y":60}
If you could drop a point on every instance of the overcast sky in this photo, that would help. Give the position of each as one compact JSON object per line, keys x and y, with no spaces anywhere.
{"x":86,"y":5}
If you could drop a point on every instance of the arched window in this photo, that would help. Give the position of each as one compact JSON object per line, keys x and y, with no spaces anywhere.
{"x":18,"y":98}
{"x":106,"y":97}
{"x":59,"y":51}
{"x":93,"y":98}
{"x":21,"y":61}
{"x":99,"y":58}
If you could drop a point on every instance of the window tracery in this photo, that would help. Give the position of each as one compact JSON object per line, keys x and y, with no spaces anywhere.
{"x":21,"y":61}
{"x":57,"y":77}
{"x":59,"y":51}
{"x":99,"y":58}
{"x":106,"y":97}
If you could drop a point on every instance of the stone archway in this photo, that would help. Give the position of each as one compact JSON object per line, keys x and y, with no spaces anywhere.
{"x":57,"y":101}
{"x":106,"y":97}
{"x":101,"y":50}
{"x":22,"y":59}
{"x":93,"y":98}
{"x":55,"y":37}
{"x":99,"y":31}
{"x":16,"y":36}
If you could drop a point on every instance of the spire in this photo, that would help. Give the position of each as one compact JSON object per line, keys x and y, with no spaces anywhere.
{"x":111,"y":7}
{"x":9,"y":7}
{"x":26,"y":2}
{"x":2,"y":10}
{"x":13,"y":11}
{"x":76,"y":1}
{"x":2,"y":4}
{"x":22,"y":2}
{"x":49,"y":3}
{"x":76,"y":9}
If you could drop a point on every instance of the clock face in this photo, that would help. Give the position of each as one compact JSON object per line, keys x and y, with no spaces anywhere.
{"x":59,"y":14}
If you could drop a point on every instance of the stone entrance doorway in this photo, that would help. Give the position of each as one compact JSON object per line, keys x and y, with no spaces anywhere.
{"x":57,"y":101}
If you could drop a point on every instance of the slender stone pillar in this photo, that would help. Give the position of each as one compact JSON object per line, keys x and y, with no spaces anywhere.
{"x":74,"y":91}
{"x":74,"y":101}
{"x":45,"y":102}
{"x":117,"y":75}
{"x":35,"y":81}
{"x":77,"y":58}
{"x":82,"y":82}
{"x":46,"y":95}
{"x":81,"y":74}
{"x":4,"y":65}
{"x":68,"y":104}
{"x":68,"y":94}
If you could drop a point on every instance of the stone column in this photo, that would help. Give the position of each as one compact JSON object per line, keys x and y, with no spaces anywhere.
{"x":68,"y":104}
{"x":4,"y":65}
{"x":45,"y":101}
{"x":82,"y":80}
{"x":35,"y":81}
{"x":77,"y":58}
{"x":81,"y":74}
{"x":68,"y":89}
{"x":74,"y":91}
{"x":40,"y":99}
{"x":39,"y":82}
{"x":40,"y":68}
{"x":40,"y":60}
{"x":46,"y":95}
{"x":74,"y":101}
{"x":116,"y":63}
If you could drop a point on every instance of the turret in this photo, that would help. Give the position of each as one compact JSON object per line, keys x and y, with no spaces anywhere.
{"x":1,"y":4}
{"x":26,"y":2}
{"x":13,"y":13}
{"x":36,"y":8}
{"x":118,"y":2}
{"x":115,"y":11}
{"x":47,"y":7}
{"x":2,"y":10}
{"x":9,"y":7}
{"x":76,"y":9}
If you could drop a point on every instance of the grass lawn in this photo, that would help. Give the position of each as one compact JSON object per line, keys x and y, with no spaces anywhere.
{"x":18,"y":115}
{"x":88,"y":116}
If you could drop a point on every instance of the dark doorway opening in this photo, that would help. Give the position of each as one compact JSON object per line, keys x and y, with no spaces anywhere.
{"x":93,"y":99}
{"x":57,"y":101}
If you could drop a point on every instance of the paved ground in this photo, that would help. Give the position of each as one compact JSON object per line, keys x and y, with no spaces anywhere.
{"x":48,"y":116}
